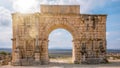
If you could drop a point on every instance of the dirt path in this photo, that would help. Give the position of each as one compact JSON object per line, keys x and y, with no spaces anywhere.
{"x":61,"y":64}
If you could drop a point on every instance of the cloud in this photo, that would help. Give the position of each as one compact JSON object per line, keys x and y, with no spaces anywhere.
{"x":86,"y":5}
{"x":5,"y":17}
{"x":59,"y":2}
{"x":33,"y":6}
{"x":26,"y":6}
{"x":5,"y":27}
{"x":6,"y":4}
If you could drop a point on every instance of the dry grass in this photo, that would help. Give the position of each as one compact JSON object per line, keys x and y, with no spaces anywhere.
{"x":62,"y":60}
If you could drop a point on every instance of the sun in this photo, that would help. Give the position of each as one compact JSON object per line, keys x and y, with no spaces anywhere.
{"x":25,"y":6}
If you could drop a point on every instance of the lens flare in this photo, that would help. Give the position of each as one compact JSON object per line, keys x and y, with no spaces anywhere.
{"x":25,"y":6}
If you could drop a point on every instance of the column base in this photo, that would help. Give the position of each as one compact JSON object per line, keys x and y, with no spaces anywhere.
{"x":29,"y":62}
{"x":94,"y":61}
{"x":16,"y":63}
{"x":36,"y":63}
{"x":44,"y":62}
{"x":76,"y":62}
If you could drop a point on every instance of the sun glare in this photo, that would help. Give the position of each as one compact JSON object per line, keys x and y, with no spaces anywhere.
{"x":25,"y":6}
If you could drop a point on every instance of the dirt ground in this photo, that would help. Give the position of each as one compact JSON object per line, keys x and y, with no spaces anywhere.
{"x":64,"y":64}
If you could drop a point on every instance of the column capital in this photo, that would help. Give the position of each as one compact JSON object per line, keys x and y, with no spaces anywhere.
{"x":40,"y":39}
{"x":74,"y":40}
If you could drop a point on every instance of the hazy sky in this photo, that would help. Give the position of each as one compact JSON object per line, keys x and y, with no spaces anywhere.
{"x":58,"y":37}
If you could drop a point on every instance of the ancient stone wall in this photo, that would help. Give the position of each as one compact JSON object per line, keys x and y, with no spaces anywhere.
{"x":31,"y":31}
{"x":60,"y":9}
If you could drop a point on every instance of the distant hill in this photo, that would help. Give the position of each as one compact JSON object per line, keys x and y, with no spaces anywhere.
{"x":113,"y":50}
{"x":61,"y":50}
{"x":6,"y":49}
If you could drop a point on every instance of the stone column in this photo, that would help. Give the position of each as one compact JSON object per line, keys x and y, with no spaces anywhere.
{"x":37,"y":50}
{"x":104,"y":45}
{"x":37,"y":56}
{"x":44,"y":52}
{"x":16,"y":56}
{"x":13,"y":49}
{"x":76,"y":51}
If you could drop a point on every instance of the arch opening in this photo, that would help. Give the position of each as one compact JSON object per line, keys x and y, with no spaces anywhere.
{"x":60,"y":46}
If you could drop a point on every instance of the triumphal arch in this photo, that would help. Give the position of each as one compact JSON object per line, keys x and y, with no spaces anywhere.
{"x":31,"y":32}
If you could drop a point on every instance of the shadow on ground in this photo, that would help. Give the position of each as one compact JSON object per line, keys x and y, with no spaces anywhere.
{"x":69,"y":65}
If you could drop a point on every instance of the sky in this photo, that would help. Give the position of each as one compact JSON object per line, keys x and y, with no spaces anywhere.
{"x":109,"y":7}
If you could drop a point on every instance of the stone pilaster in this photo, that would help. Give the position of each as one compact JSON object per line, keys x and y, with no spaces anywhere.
{"x":44,"y":52}
{"x":16,"y":61}
{"x":37,"y":54}
{"x":76,"y":51}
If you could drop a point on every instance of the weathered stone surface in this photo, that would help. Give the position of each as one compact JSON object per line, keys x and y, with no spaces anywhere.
{"x":86,"y":29}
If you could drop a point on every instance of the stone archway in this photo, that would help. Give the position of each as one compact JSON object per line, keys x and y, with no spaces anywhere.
{"x":68,"y":27}
{"x":60,"y":46}
{"x":88,"y":31}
